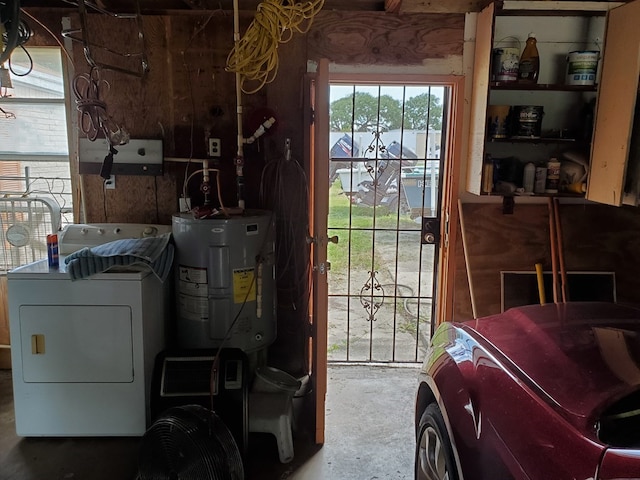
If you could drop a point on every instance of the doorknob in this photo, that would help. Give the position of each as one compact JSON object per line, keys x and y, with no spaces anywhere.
{"x":333,"y":239}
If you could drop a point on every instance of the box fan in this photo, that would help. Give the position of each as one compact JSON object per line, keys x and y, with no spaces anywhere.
{"x":189,"y":442}
{"x":25,"y":223}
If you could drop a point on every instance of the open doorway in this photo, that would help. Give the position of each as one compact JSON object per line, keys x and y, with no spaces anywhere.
{"x":381,"y":183}
{"x":387,"y":144}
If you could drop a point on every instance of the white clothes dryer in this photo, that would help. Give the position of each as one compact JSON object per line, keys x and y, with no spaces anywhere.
{"x":83,"y":351}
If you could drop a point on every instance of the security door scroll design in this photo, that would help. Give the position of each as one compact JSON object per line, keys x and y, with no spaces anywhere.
{"x":376,"y":149}
{"x":372,"y":296}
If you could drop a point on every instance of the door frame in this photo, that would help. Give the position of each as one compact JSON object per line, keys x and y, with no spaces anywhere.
{"x":318,"y":148}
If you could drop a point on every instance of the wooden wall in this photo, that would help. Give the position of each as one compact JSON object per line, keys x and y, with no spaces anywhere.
{"x":596,"y":238}
{"x":188,"y":96}
{"x":378,"y":38}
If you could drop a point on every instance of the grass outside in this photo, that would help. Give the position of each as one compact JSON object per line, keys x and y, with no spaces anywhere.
{"x":361,"y":219}
{"x":393,"y":252}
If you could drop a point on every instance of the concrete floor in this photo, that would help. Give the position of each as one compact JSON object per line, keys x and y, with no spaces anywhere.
{"x":369,"y":435}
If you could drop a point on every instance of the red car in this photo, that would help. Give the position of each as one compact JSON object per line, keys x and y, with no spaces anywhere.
{"x":539,"y":392}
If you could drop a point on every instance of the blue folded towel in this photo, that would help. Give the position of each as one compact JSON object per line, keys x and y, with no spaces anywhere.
{"x":155,"y":253}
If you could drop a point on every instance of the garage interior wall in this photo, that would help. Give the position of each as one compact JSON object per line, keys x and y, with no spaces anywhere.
{"x":188,"y":96}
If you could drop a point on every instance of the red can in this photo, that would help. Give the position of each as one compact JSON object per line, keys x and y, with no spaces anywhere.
{"x":52,"y":250}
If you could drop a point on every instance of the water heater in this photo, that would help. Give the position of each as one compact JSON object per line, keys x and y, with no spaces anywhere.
{"x":225,"y":281}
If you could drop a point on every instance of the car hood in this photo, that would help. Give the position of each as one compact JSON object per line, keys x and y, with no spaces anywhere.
{"x":580,"y":357}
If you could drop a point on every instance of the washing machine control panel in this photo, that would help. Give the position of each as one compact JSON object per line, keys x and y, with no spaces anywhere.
{"x":77,"y":236}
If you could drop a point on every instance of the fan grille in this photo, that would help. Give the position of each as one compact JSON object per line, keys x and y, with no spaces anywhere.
{"x":189,"y":443}
{"x":24,"y":225}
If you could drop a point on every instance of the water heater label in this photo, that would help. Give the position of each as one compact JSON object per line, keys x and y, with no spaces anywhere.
{"x":193,"y":281}
{"x":244,"y":287}
{"x":193,"y":308}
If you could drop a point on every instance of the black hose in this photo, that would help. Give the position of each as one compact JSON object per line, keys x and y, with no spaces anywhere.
{"x":10,"y":18}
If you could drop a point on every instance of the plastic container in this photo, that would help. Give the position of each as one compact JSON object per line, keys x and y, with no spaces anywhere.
{"x":527,"y":121}
{"x":582,"y":67}
{"x":529,"y":177}
{"x":553,"y":176}
{"x":505,"y":64}
{"x":272,"y":380}
{"x":487,"y":175}
{"x":540,"y":182}
{"x":578,"y":187}
{"x":497,"y":117}
{"x":529,"y":65}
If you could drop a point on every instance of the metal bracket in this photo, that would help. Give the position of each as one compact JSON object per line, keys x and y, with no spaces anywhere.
{"x":508,"y":203}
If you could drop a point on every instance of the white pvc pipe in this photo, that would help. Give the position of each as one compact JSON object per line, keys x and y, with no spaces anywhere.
{"x":239,"y":160}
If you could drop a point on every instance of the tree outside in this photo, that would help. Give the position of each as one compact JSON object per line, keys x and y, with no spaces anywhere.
{"x":369,"y":113}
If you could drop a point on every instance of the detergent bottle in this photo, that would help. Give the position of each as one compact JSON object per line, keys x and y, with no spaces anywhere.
{"x":529,"y":65}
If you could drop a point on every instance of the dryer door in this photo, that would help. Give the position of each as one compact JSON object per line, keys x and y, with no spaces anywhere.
{"x":76,"y":343}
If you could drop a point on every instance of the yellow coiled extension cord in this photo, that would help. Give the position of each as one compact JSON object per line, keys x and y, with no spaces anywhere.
{"x":255,"y":55}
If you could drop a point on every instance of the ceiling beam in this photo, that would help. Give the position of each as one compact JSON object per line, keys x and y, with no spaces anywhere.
{"x":191,"y":6}
{"x":435,"y":6}
{"x":392,"y":6}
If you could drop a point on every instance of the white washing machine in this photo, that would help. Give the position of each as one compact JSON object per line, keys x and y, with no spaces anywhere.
{"x":83,"y":351}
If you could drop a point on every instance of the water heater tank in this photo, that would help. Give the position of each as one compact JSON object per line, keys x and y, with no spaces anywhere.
{"x":225,"y":281}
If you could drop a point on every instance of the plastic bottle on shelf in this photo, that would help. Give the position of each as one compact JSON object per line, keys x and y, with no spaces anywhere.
{"x":529,"y":66}
{"x":553,"y":176}
{"x":529,"y":177}
{"x":487,"y":174}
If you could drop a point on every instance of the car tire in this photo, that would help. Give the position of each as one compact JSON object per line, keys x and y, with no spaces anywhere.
{"x":434,"y":454}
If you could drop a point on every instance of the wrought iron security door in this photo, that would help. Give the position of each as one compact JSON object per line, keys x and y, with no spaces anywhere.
{"x":384,"y":201}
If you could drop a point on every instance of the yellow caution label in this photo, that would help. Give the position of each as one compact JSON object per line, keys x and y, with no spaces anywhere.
{"x":244,"y":285}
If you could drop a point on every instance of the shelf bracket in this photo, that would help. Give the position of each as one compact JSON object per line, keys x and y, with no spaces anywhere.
{"x":508,"y":204}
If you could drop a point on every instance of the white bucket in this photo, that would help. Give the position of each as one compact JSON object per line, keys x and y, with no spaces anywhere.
{"x":505,"y":64}
{"x":582,"y":68}
{"x":272,"y":380}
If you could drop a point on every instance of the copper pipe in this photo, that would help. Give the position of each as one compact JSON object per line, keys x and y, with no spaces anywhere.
{"x":554,"y":261}
{"x":465,"y":250}
{"x":563,"y":270}
{"x":540,"y":278}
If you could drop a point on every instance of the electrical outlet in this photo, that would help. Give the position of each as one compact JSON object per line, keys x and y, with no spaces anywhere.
{"x":215,"y":147}
{"x":110,"y":183}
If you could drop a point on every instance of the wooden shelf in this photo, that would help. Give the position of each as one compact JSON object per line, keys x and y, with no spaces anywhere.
{"x":544,"y":140}
{"x":542,"y":87}
{"x":535,"y":195}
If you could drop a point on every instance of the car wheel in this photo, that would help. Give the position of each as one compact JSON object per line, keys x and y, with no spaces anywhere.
{"x":434,"y":453}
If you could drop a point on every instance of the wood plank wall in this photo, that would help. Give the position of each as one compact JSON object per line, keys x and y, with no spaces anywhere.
{"x":378,"y":38}
{"x":596,"y":238}
{"x":188,"y":96}
{"x":187,"y":83}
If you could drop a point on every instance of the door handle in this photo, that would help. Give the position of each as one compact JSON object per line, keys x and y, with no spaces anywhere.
{"x":37,"y":344}
{"x":430,"y":230}
{"x":333,"y":239}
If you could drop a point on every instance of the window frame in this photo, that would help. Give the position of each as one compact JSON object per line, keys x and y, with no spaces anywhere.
{"x":67,"y":196}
